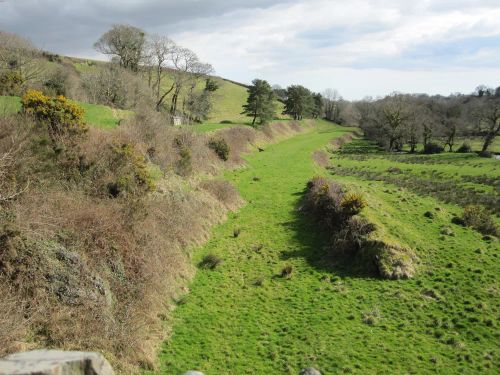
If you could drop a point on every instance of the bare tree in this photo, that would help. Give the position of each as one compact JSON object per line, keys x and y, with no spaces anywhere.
{"x":332,"y":100}
{"x":158,"y":52}
{"x":19,"y":59}
{"x":187,"y":71}
{"x":447,"y":113}
{"x":486,"y":113}
{"x":125,"y":42}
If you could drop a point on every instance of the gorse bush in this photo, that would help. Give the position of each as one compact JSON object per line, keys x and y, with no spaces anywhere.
{"x":349,"y":240}
{"x":63,"y":118}
{"x":132,"y":174}
{"x":327,"y":201}
{"x":56,"y":84}
{"x":352,"y":203}
{"x":11,"y":83}
{"x":323,"y":201}
{"x":220,"y":146}
{"x":477,"y":217}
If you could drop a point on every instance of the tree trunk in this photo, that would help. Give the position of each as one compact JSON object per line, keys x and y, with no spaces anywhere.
{"x":160,"y":101}
{"x":488,"y":140}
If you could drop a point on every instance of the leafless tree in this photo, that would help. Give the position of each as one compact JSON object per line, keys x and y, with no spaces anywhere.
{"x":159,"y":51}
{"x":485,"y":112}
{"x":186,"y":71}
{"x":332,"y":99}
{"x":20,"y":57}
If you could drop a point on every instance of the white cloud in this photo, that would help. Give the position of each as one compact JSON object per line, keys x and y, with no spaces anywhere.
{"x":349,"y":45}
{"x":270,"y":43}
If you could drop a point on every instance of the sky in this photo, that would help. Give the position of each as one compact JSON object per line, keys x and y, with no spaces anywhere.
{"x":359,"y":47}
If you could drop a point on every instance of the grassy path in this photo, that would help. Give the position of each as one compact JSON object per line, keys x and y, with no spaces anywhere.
{"x":229,"y":325}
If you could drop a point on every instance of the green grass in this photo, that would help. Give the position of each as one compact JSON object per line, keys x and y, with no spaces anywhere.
{"x":102,"y":116}
{"x":96,"y":115}
{"x":228,"y":103}
{"x":455,"y":178}
{"x":208,"y":127}
{"x":442,"y":321}
{"x":9,"y":105}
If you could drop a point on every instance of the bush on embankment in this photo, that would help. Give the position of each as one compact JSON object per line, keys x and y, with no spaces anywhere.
{"x":94,"y":228}
{"x":353,"y":237}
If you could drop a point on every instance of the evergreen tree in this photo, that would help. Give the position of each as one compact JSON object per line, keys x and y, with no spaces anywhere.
{"x":299,"y":102}
{"x":261,"y":102}
{"x":318,"y":105}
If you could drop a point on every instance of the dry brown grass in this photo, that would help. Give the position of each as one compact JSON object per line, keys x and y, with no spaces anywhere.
{"x":82,"y":270}
{"x":12,"y":322}
{"x":224,"y":192}
{"x":339,"y":142}
{"x":321,"y":158}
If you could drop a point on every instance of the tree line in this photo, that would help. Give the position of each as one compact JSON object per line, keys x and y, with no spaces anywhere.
{"x":147,"y":69}
{"x":395,"y":121}
{"x":298,"y":102}
{"x":435,"y":122}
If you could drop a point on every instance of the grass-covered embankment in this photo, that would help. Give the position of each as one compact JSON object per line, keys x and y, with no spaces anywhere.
{"x":243,"y":317}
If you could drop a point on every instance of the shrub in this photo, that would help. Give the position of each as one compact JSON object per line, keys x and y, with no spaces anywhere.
{"x":184,"y":165}
{"x":259,"y":281}
{"x":236,"y":232}
{"x":352,"y":203}
{"x":56,"y":83}
{"x":371,"y":317}
{"x":286,"y":272}
{"x":323,"y":201}
{"x":429,"y":214}
{"x":131,"y":171}
{"x":63,"y":118}
{"x":220,"y":146}
{"x":433,"y":148}
{"x":394,"y":261}
{"x":350,"y":239}
{"x":394,"y":170}
{"x":477,"y":217}
{"x":329,"y":205}
{"x":210,"y":261}
{"x":464,"y":148}
{"x":11,"y":83}
{"x":485,"y":154}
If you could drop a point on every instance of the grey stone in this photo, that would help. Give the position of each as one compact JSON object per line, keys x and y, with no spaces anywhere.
{"x":55,"y":362}
{"x":191,"y":372}
{"x":309,"y":371}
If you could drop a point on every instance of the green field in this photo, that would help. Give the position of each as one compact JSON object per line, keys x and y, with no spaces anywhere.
{"x":442,"y":321}
{"x":99,"y":116}
{"x":210,"y":127}
{"x":228,"y":103}
{"x":456,"y":178}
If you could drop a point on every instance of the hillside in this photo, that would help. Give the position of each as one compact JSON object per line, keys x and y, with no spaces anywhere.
{"x":227,"y":100}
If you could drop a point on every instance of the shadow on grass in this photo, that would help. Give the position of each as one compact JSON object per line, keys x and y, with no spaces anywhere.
{"x":314,"y":247}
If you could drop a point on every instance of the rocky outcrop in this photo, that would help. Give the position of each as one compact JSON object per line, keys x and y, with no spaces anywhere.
{"x":55,"y":362}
